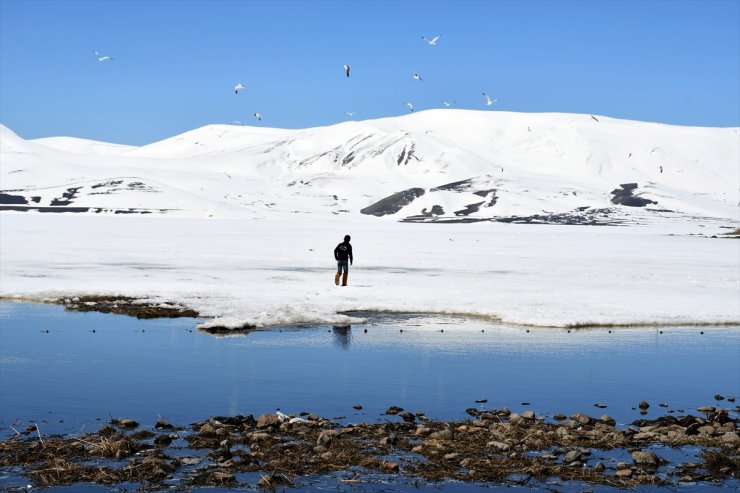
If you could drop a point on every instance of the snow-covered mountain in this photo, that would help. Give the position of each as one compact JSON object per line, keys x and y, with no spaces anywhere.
{"x":431,"y":166}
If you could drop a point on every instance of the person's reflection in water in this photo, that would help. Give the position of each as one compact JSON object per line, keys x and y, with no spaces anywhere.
{"x":342,"y":335}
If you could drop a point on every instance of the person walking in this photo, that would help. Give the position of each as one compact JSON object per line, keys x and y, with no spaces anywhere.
{"x":343,"y":254}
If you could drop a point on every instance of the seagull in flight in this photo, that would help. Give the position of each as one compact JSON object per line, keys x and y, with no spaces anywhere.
{"x":448,"y":103}
{"x":592,"y":116}
{"x":417,"y":77}
{"x":346,"y":69}
{"x":258,"y":116}
{"x":102,"y":58}
{"x":433,"y":41}
{"x":411,"y":106}
{"x":489,"y":101}
{"x":238,"y":88}
{"x":350,"y":113}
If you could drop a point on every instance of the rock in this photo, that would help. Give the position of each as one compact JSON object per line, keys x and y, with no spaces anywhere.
{"x":674,"y":435}
{"x":465,"y":463}
{"x":599,"y":467}
{"x":163,"y":425}
{"x":390,"y":466}
{"x":452,"y":456}
{"x":268,"y":420}
{"x":528,"y":415}
{"x":663,"y":404}
{"x":357,"y":406}
{"x":608,"y":420}
{"x":581,"y":418}
{"x":422,"y":431}
{"x":499,"y":446}
{"x":408,"y":417}
{"x":730,"y":437}
{"x":445,"y":434}
{"x":706,"y":430}
{"x":326,"y":437}
{"x":562,"y":431}
{"x":393,"y":410}
{"x":731,"y":399}
{"x":487,"y":416}
{"x":162,"y":440}
{"x":560,"y":417}
{"x":600,"y":406}
{"x":719,"y":397}
{"x":623,"y":473}
{"x":127,"y":424}
{"x":572,"y":456}
{"x":643,"y":405}
{"x":706,"y":409}
{"x":515,"y":418}
{"x":207,"y":428}
{"x":649,"y":459}
{"x":259,"y":436}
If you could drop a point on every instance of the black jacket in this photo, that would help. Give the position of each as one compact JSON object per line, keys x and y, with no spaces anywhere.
{"x":343,"y":251}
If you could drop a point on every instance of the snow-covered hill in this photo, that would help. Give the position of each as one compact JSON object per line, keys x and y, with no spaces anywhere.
{"x":432,"y":166}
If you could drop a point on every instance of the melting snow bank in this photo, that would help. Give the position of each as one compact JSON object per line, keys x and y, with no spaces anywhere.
{"x":251,"y":273}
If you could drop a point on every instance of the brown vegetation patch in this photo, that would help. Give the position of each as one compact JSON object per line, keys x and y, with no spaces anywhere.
{"x":124,"y":305}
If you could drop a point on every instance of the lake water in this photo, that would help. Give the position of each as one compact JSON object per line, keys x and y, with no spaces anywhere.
{"x":90,"y":367}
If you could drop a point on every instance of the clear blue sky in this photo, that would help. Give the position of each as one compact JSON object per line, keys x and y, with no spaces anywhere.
{"x":175,"y":63}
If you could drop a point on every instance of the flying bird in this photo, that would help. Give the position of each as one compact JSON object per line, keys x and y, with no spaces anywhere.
{"x":238,"y":88}
{"x":346,"y":69}
{"x":350,"y":113}
{"x":595,"y":119}
{"x":102,"y":58}
{"x":433,"y":41}
{"x":489,"y":101}
{"x":411,"y":106}
{"x":448,"y":103}
{"x":258,"y":116}
{"x":417,"y":77}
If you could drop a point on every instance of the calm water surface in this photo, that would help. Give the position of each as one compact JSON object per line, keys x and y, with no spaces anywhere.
{"x":71,"y":377}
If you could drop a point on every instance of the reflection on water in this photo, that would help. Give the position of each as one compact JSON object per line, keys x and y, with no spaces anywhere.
{"x":69,"y":370}
{"x":342,"y":335}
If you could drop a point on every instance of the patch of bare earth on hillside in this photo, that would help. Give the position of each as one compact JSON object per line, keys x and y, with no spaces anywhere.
{"x":493,"y":446}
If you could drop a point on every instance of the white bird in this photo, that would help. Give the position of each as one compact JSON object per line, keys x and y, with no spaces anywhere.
{"x":258,"y":116}
{"x":489,"y":101}
{"x":417,"y":77}
{"x":411,"y":106}
{"x":236,"y":122}
{"x":102,"y":58}
{"x":346,"y":69}
{"x":238,"y":88}
{"x":433,"y":41}
{"x":350,"y":113}
{"x":447,"y":103}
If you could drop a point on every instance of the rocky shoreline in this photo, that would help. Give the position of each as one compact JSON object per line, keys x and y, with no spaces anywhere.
{"x":491,"y":447}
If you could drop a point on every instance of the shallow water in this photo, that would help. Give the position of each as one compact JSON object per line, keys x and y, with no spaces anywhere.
{"x":71,"y":378}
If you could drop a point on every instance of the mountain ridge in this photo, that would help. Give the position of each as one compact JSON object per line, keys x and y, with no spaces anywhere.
{"x":511,"y":165}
